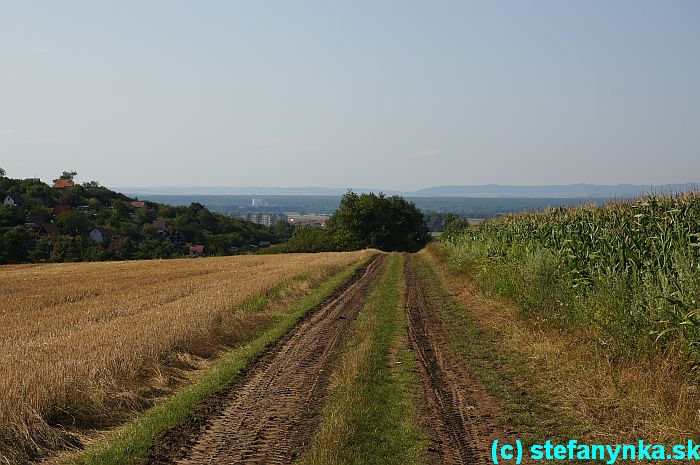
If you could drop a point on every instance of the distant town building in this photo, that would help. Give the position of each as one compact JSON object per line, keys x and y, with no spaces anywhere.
{"x":266,"y":219}
{"x":259,"y":202}
{"x":307,"y":219}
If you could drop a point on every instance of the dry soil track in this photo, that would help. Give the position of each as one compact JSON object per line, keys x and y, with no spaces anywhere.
{"x":455,"y":411}
{"x":271,"y":414}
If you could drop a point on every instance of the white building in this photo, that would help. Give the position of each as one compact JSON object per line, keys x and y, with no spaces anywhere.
{"x":99,"y":235}
{"x":267,"y":219}
{"x":13,"y":199}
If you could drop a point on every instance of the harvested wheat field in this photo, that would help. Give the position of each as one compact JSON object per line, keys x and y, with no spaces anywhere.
{"x":78,"y":338}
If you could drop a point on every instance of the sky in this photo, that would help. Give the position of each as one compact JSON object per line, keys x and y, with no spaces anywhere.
{"x":388,"y":94}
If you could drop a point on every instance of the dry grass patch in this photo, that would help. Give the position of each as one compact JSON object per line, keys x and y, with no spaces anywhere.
{"x":653,"y":398}
{"x":83,"y":342}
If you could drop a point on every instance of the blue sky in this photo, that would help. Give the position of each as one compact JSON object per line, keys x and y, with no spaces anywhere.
{"x":398,"y":95}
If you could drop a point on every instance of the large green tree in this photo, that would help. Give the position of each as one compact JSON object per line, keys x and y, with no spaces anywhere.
{"x":14,"y":245}
{"x":377,"y":221}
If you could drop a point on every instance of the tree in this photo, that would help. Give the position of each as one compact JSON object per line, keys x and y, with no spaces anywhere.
{"x":74,"y":223}
{"x":455,"y":227}
{"x":377,"y":221}
{"x":155,"y":248}
{"x":15,"y":244}
{"x":63,"y":250}
{"x":125,"y":250}
{"x":12,"y":216}
{"x":2,"y":172}
{"x":282,"y":231}
{"x":68,"y":175}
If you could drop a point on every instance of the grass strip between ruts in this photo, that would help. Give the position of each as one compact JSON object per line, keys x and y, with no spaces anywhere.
{"x":370,"y":417}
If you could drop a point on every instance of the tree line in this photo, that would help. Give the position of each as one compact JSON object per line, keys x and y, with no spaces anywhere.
{"x":147,"y":230}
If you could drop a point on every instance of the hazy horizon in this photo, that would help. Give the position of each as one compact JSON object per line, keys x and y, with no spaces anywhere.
{"x":398,"y":96}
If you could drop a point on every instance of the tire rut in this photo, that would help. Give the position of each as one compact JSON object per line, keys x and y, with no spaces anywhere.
{"x":449,"y":394}
{"x":270,"y":415}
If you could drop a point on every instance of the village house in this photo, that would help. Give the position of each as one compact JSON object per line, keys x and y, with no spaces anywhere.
{"x":99,"y":235}
{"x":60,"y":185}
{"x":49,"y":229}
{"x":197,"y":250}
{"x":160,"y":226}
{"x":137,"y":204}
{"x":38,"y":225}
{"x":13,"y":199}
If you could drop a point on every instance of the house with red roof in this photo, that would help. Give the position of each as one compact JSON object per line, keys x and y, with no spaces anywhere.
{"x":197,"y":250}
{"x":61,"y":185}
{"x":160,"y":226}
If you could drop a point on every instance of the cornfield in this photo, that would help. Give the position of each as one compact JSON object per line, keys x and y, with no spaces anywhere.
{"x":627,"y":266}
{"x":78,"y":338}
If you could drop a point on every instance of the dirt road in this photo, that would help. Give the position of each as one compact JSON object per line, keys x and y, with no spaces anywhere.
{"x":455,"y":411}
{"x":271,"y":414}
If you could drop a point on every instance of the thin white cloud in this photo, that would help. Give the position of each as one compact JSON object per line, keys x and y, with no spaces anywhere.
{"x":426,"y":153}
{"x":41,"y":50}
{"x":7,"y":132}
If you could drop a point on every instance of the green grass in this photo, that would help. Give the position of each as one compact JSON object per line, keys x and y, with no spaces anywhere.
{"x":382,"y":426}
{"x":370,"y":416}
{"x":525,"y":403}
{"x":130,"y":443}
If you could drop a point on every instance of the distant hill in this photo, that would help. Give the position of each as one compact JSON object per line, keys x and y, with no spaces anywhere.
{"x":553,"y":191}
{"x":250,"y":190}
{"x":477,"y":191}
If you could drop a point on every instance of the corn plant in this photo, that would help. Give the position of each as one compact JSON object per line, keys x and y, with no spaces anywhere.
{"x":651,"y":244}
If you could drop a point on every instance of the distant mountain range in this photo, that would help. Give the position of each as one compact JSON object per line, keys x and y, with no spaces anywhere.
{"x":478,"y":191}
